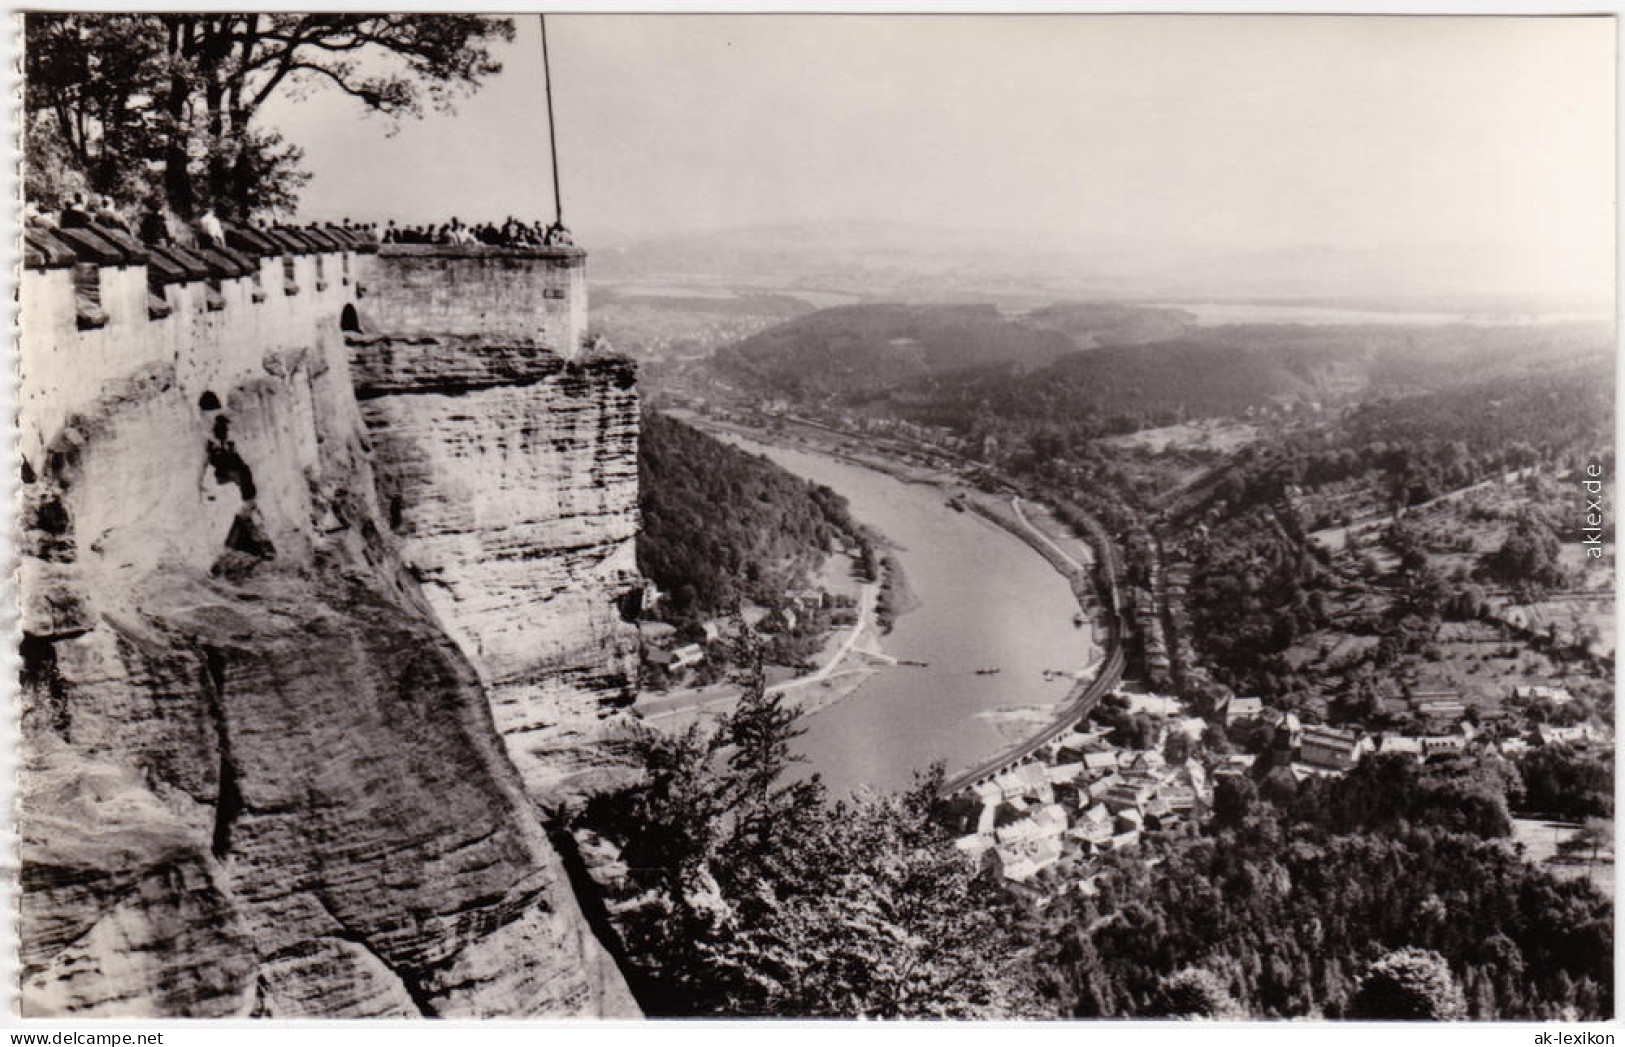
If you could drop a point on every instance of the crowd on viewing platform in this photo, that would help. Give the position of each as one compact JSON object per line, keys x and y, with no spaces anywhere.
{"x":83,"y":221}
{"x":511,"y":233}
{"x":88,"y":233}
{"x":94,"y":229}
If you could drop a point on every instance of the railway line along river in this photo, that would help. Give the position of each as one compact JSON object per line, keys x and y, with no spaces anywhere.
{"x":985,"y":600}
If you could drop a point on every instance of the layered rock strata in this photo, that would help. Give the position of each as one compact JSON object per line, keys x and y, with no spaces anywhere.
{"x":257,"y":777}
{"x":510,"y":477}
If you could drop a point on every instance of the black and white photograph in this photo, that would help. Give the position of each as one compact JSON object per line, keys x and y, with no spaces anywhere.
{"x":966,"y":516}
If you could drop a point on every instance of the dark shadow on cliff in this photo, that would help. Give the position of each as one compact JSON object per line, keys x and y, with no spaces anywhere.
{"x":591,"y":899}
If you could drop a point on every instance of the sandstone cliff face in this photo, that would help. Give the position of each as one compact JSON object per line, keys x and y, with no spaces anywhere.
{"x":510,"y":480}
{"x":257,"y":775}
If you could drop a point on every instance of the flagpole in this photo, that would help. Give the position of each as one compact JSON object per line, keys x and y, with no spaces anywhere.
{"x":552,"y":138}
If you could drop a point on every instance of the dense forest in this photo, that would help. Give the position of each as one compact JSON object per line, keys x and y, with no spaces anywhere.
{"x":747,"y":892}
{"x":721,"y":526}
{"x":975,"y":373}
{"x":857,"y":351}
{"x":1391,"y":893}
{"x":1292,"y":894}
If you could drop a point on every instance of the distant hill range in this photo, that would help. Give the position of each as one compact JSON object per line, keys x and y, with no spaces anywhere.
{"x":858,"y":350}
{"x":1226,"y":370}
{"x":1114,"y":358}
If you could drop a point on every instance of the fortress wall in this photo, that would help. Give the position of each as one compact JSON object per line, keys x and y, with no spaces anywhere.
{"x":261,"y":770}
{"x":538,"y":295}
{"x":293,"y":696}
{"x":65,"y":370}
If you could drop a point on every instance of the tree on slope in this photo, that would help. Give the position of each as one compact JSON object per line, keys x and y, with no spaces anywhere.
{"x":751,"y":895}
{"x":1409,"y":984}
{"x":1196,"y":993}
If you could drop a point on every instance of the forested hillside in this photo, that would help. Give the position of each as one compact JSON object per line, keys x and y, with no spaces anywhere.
{"x":721,"y":525}
{"x":1228,"y":370}
{"x":1093,"y":369}
{"x":1286,"y":903}
{"x":853,"y":351}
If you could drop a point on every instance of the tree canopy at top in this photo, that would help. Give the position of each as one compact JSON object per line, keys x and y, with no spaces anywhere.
{"x":136,"y":105}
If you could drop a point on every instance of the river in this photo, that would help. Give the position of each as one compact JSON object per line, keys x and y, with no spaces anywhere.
{"x":985,"y":599}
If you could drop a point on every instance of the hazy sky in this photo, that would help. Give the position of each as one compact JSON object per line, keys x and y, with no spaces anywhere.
{"x":1240,"y":133}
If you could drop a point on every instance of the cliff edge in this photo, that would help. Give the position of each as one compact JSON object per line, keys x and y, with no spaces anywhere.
{"x":258,"y":777}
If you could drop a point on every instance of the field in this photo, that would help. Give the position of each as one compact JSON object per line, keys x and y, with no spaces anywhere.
{"x":1207,"y":435}
{"x":1540,"y":840}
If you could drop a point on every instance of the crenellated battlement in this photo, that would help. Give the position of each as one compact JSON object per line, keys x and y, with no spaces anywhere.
{"x":97,"y":306}
{"x":86,"y":323}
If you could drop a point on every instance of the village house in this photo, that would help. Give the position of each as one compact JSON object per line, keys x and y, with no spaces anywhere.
{"x":1083,"y":738}
{"x":1130,"y":794}
{"x":1236,"y":709}
{"x":1098,"y":763}
{"x":1125,"y":840}
{"x":1402,"y":744}
{"x":1512,"y":748}
{"x":807,"y":599}
{"x":1065,"y":772}
{"x":1034,"y":779}
{"x":1285,"y":722}
{"x":1555,"y":695}
{"x":1050,"y":820}
{"x":1148,"y":761}
{"x":1329,"y":749}
{"x":1442,"y":743}
{"x":1100,"y":787}
{"x":1439,"y":706}
{"x":1579,"y":734}
{"x":1017,"y":831}
{"x":1181,"y":800}
{"x":1094,"y":825}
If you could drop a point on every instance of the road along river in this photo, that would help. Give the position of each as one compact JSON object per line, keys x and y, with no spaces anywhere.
{"x":985,"y":600}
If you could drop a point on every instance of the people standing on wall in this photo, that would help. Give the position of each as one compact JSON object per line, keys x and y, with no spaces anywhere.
{"x":76,"y":215}
{"x":154,"y":227}
{"x":36,"y":218}
{"x":210,"y":227}
{"x":106,"y":215}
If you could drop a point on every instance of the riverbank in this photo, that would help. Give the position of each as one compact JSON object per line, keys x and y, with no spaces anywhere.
{"x":999,"y":640}
{"x":849,"y":657}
